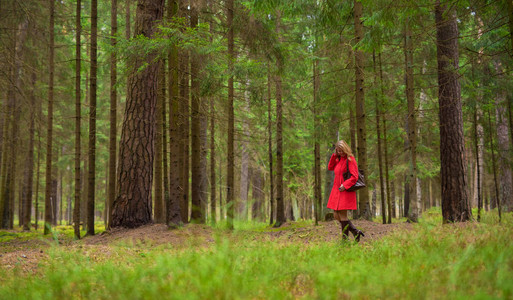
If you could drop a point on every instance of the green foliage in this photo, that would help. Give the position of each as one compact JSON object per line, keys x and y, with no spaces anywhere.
{"x":429,"y":261}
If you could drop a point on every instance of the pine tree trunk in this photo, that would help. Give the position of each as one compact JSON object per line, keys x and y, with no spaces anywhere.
{"x":91,"y":178}
{"x":244,"y":169}
{"x":113,"y":112}
{"x":76,"y":210}
{"x":317,"y":149}
{"x":212,"y":163}
{"x":502,"y":128}
{"x":165,"y":168}
{"x":174,"y":217}
{"x":455,"y":201}
{"x":28,"y":181}
{"x":198,"y":142}
{"x":494,"y":167}
{"x":270,"y":149}
{"x":360,"y":110}
{"x":280,"y":207}
{"x":157,"y":182}
{"x":377,"y":104}
{"x":49,"y":134}
{"x":257,"y":184}
{"x":413,"y":212}
{"x":390,"y":202}
{"x":230,"y":184}
{"x":132,"y":207}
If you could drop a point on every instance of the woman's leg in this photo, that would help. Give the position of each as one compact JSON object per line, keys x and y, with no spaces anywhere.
{"x":344,"y":222}
{"x":342,"y":215}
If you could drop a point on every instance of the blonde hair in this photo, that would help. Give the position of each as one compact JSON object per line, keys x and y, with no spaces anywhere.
{"x":342,"y":145}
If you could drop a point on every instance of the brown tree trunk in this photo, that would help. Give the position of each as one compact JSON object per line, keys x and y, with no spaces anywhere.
{"x":198,"y":134}
{"x":165,"y":168}
{"x":280,"y":207}
{"x":270,"y":148}
{"x":157,"y":182}
{"x":317,"y":149}
{"x":257,"y":184}
{"x":494,"y":168}
{"x":132,"y":207}
{"x":113,"y":112}
{"x":173,"y":217}
{"x":244,"y":168}
{"x":212,"y":163}
{"x":230,"y":184}
{"x":360,"y":110}
{"x":502,"y":128}
{"x":76,"y":210}
{"x":29,"y":167}
{"x":413,"y":211}
{"x":390,"y":202}
{"x":377,"y":104}
{"x":455,"y":201}
{"x":49,"y":134}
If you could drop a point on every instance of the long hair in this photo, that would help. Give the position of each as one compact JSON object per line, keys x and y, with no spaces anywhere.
{"x":342,"y":145}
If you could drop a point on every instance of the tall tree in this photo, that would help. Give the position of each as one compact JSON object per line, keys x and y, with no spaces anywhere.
{"x":317,"y":148}
{"x":378,"y":134}
{"x":91,"y":178}
{"x":270,"y":148}
{"x":360,"y":109}
{"x":231,"y":119}
{"x":113,"y":110}
{"x":280,"y":207}
{"x":173,"y":216}
{"x":132,"y":207}
{"x":78,"y":78}
{"x":158,"y":194}
{"x":29,"y":167}
{"x":49,"y":132}
{"x":455,"y":201}
{"x":198,"y":147}
{"x":412,"y":212}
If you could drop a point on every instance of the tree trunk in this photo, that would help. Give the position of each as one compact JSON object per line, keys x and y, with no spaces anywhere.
{"x":29,"y":167}
{"x":174,"y":217}
{"x":317,"y":149}
{"x":377,"y":104}
{"x":165,"y":168}
{"x":198,"y":142}
{"x":212,"y":163}
{"x":360,"y":110}
{"x":455,"y":202}
{"x":91,"y":178}
{"x":244,"y":169}
{"x":132,"y":207}
{"x":76,"y":210}
{"x":413,"y":212}
{"x":270,"y":148}
{"x":257,"y":193}
{"x":113,"y":112}
{"x":157,"y":182}
{"x":49,"y":134}
{"x":494,"y":167}
{"x":506,"y":188}
{"x":230,"y":184}
{"x":280,"y":207}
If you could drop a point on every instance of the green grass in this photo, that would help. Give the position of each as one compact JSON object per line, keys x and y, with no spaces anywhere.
{"x":431,"y":261}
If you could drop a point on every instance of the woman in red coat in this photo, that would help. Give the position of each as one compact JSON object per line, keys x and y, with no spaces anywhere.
{"x":340,"y":199}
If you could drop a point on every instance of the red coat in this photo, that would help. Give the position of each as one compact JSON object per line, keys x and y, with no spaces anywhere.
{"x":342,"y":200}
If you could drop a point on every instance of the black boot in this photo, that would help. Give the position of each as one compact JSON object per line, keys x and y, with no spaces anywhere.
{"x":345,"y":229}
{"x":355,"y":231}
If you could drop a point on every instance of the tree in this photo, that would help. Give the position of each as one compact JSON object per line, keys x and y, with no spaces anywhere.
{"x":132,"y":207}
{"x":49,"y":133}
{"x":113,"y":110}
{"x":173,"y":216}
{"x":231,"y":119}
{"x":76,"y":210}
{"x":360,"y":109}
{"x":455,"y":202}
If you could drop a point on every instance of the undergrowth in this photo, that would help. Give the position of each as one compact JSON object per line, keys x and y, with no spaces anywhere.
{"x":433,"y":261}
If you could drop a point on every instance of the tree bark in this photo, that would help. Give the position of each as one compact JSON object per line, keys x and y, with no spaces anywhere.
{"x":390,"y":202}
{"x":49,"y":134}
{"x":244,"y":169}
{"x":132,"y":207}
{"x":157,"y":182}
{"x":212,"y":163}
{"x":257,"y":184}
{"x":455,"y":201}
{"x":78,"y":108}
{"x":113,"y":112}
{"x":413,"y":211}
{"x":198,"y":145}
{"x":317,"y":149}
{"x":91,"y":177}
{"x":230,"y":184}
{"x":360,"y":110}
{"x":174,"y":217}
{"x":377,"y":104}
{"x":494,"y":168}
{"x":270,"y":148}
{"x":280,"y":207}
{"x":29,"y":167}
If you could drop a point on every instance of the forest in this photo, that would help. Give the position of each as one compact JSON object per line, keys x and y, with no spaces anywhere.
{"x":186,"y":144}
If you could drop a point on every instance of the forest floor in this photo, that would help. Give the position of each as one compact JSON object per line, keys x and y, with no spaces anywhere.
{"x":424,"y":260}
{"x":26,"y":251}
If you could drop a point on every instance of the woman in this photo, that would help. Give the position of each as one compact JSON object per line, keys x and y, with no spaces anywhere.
{"x":340,"y":199}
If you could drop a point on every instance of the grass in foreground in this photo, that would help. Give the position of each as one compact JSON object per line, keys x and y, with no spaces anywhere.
{"x":431,"y":261}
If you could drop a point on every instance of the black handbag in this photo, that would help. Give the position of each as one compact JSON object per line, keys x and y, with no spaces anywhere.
{"x":360,"y":183}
